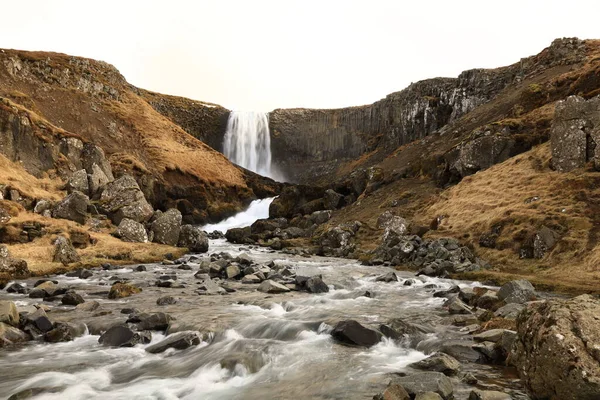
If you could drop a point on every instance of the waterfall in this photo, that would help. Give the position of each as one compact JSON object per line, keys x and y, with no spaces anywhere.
{"x":258,"y":209}
{"x":247,"y":141}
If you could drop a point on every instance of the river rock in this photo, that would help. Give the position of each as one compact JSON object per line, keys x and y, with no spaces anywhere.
{"x":123,"y":198}
{"x":510,"y":311}
{"x":88,"y":306}
{"x":71,"y":298}
{"x":520,"y":291}
{"x":251,"y":278}
{"x":438,"y":362}
{"x":193,"y":238}
{"x":428,"y":396}
{"x":167,"y":227}
{"x":553,"y":335}
{"x":74,"y":207}
{"x":352,"y":333}
{"x":456,"y":306}
{"x":388,"y":277}
{"x":39,"y":320}
{"x":270,"y":286}
{"x":239,"y":235}
{"x":122,"y":336}
{"x":426,"y":382}
{"x":154,"y":322}
{"x":8,"y":313}
{"x":166,"y":301}
{"x":178,"y":341}
{"x":64,"y":252}
{"x":393,"y":392}
{"x":315,"y":284}
{"x":493,"y":335}
{"x":488,"y":395}
{"x":132,"y":231}
{"x":10,"y":335}
{"x":232,"y":271}
{"x":488,"y":301}
{"x":65,"y":332}
{"x":120,"y":290}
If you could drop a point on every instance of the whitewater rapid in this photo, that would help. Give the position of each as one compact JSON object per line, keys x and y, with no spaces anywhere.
{"x":258,"y":209}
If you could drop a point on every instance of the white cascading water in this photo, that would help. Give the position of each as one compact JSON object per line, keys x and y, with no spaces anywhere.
{"x":248,"y":142}
{"x":258,"y":209}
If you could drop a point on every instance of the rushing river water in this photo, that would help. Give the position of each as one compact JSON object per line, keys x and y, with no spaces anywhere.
{"x":257,"y":346}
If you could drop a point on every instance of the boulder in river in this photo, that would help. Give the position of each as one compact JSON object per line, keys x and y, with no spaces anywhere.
{"x":8,"y":313}
{"x":520,"y":291}
{"x":10,"y":335}
{"x":352,"y":333}
{"x":154,"y":322}
{"x":71,"y":298}
{"x":166,"y":301}
{"x":167,"y":227}
{"x":131,"y":231}
{"x":315,"y":284}
{"x":387,"y":277}
{"x":438,"y":362}
{"x":65,"y":332}
{"x":270,"y":286}
{"x":120,"y":290}
{"x":193,"y":238}
{"x":426,"y":382}
{"x":122,"y":336}
{"x":178,"y":341}
{"x":557,"y":349}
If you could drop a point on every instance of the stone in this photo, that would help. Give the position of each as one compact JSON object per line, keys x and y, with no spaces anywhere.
{"x":43,"y":205}
{"x":39,"y":320}
{"x":388,"y":277}
{"x":332,"y":200}
{"x":93,"y":155}
{"x":428,"y":396}
{"x":488,"y":395}
{"x":166,"y":301}
{"x":71,"y":148}
{"x":438,"y":362}
{"x":456,"y":306}
{"x":251,"y":278}
{"x":493,"y":335}
{"x":244,"y":259}
{"x":232,"y":271}
{"x":315,"y":284}
{"x":131,"y":231}
{"x":120,"y":290}
{"x":489,"y":350}
{"x":543,"y":241}
{"x":193,"y":238}
{"x":350,"y":332}
{"x":13,"y":267}
{"x":557,"y":350}
{"x":65,"y":332}
{"x":273,"y":287}
{"x":510,"y":311}
{"x":122,"y":336}
{"x":74,"y":207}
{"x":426,"y":382}
{"x":71,"y":298}
{"x":488,"y":300}
{"x":88,"y":306}
{"x":97,"y":179}
{"x":8,"y":313}
{"x":123,"y":198}
{"x":10,"y":335}
{"x":392,"y":225}
{"x":178,"y":341}
{"x":154,"y":322}
{"x":519,"y":291}
{"x":64,"y":252}
{"x":167,"y":227}
{"x":78,"y":182}
{"x":239,"y":235}
{"x":393,"y":392}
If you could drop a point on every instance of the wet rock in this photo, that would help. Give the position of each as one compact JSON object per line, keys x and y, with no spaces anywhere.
{"x":244,"y":259}
{"x":252,"y":361}
{"x":438,"y":362}
{"x":17,"y":288}
{"x":520,"y":291}
{"x":166,"y":301}
{"x":178,"y":341}
{"x":239,"y":235}
{"x":270,"y":286}
{"x":122,"y":336}
{"x":456,"y":306}
{"x":78,"y":182}
{"x":426,"y":382}
{"x":10,"y":335}
{"x":352,"y":333}
{"x":388,"y":277}
{"x":315,"y":284}
{"x":251,"y":279}
{"x":8,"y":313}
{"x":120,"y":290}
{"x":232,"y":271}
{"x":448,"y":293}
{"x":493,"y":335}
{"x":131,"y":231}
{"x":488,"y":301}
{"x":39,"y":320}
{"x":555,"y":334}
{"x":44,"y":289}
{"x":65,"y":332}
{"x":123,"y":198}
{"x":71,"y":298}
{"x":428,"y":396}
{"x":462,"y":350}
{"x":489,"y":350}
{"x":88,"y":306}
{"x":488,"y":395}
{"x":167,"y":227}
{"x":141,"y":268}
{"x":393,"y":392}
{"x":73,"y":207}
{"x":467,"y":295}
{"x":64,"y":252}
{"x":510,"y":311}
{"x":193,"y":238}
{"x":154,"y":322}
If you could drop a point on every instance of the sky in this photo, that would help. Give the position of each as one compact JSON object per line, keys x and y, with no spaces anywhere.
{"x":261,"y":54}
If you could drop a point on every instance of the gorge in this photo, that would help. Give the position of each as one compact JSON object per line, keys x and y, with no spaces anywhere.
{"x":439,"y":243}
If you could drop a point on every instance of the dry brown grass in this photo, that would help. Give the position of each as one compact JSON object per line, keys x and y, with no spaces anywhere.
{"x":497,"y":197}
{"x":107,"y":248}
{"x":28,"y":185}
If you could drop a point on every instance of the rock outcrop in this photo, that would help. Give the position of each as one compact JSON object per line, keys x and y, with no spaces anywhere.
{"x":124,"y":199}
{"x":557,"y":351}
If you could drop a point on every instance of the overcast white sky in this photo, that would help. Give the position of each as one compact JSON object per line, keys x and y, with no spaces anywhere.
{"x":260,"y":55}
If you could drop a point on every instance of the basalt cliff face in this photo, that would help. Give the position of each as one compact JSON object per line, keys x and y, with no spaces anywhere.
{"x":314,"y":144}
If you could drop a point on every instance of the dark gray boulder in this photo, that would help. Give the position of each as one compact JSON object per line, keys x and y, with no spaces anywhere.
{"x":72,"y":298}
{"x":351,"y":332}
{"x":315,"y":284}
{"x":123,"y":198}
{"x":438,"y":362}
{"x":74,"y":207}
{"x":167,"y":227}
{"x":519,"y":291}
{"x":122,"y":336}
{"x":178,"y":341}
{"x":193,"y":238}
{"x":78,"y":182}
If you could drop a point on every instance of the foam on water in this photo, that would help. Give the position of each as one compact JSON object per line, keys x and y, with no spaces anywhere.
{"x":258,"y":209}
